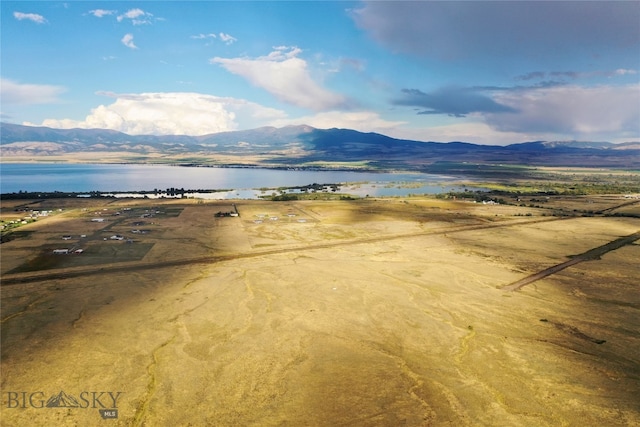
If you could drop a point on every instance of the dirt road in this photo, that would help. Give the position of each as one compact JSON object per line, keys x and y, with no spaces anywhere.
{"x":590,"y":255}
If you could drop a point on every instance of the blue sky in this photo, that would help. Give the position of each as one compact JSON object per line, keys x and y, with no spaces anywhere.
{"x":476,"y":71}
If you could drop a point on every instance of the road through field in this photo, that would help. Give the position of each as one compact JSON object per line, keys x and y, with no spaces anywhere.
{"x":591,"y":254}
{"x":139,"y":266}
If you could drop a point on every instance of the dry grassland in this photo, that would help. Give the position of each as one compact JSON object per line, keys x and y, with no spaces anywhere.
{"x":383,"y":312}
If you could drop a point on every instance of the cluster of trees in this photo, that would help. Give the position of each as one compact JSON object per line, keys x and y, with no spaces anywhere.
{"x":478,"y":196}
{"x":38,"y":195}
{"x":284,"y":197}
{"x":170,"y":192}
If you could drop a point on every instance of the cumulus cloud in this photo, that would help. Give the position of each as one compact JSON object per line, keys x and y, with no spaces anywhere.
{"x":502,"y":29}
{"x":583,"y":112}
{"x":99,"y":13}
{"x":172,"y":113}
{"x":38,"y":19}
{"x":137,"y":16}
{"x":453,"y":101}
{"x":127,"y":40}
{"x":16,"y":93}
{"x":286,"y":76}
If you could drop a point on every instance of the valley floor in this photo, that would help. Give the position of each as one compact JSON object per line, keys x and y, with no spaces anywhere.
{"x":319,"y":313}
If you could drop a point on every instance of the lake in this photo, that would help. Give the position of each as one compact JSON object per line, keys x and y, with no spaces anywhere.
{"x":241,"y":182}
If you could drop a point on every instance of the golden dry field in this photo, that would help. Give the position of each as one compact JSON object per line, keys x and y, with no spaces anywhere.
{"x":370,"y":312}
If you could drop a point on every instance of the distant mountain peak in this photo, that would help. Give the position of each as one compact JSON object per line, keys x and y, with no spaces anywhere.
{"x":303,"y":128}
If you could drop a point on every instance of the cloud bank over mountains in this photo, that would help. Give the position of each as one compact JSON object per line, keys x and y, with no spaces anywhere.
{"x":592,"y":112}
{"x":585,"y":112}
{"x":169,"y":114}
{"x":185,"y":113}
{"x":485,"y":72}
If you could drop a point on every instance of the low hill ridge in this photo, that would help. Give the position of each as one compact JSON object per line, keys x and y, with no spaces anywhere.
{"x":301,"y":144}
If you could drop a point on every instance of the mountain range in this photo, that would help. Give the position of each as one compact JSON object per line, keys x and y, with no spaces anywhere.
{"x":304,"y":146}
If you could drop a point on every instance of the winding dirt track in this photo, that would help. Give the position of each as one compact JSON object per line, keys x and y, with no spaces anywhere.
{"x":590,"y":255}
{"x":137,"y":266}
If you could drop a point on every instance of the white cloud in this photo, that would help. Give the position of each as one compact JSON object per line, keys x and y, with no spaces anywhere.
{"x":12,"y":92}
{"x":38,"y":19}
{"x":127,"y":40}
{"x":363,"y":121}
{"x":99,"y":13}
{"x":202,"y":36}
{"x":228,"y":39}
{"x":580,"y":112}
{"x":131,"y":14}
{"x":623,"y":71}
{"x":285,"y":76}
{"x":137,"y":16}
{"x":172,"y":113}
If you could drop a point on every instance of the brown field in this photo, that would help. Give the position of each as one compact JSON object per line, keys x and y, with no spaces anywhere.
{"x":373,"y":312}
{"x":149,"y":157}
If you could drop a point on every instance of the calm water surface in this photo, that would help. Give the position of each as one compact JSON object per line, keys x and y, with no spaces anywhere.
{"x":243,"y":181}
